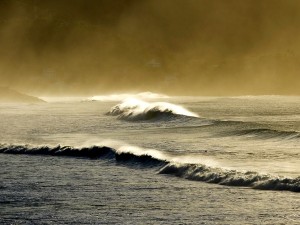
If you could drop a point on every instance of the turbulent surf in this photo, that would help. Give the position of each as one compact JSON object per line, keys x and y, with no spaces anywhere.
{"x":135,"y":109}
{"x":166,"y":164}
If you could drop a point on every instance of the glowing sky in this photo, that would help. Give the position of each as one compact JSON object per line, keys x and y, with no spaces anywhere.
{"x":190,"y":47}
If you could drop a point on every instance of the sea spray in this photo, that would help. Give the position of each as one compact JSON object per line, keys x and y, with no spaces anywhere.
{"x":135,"y":109}
{"x":121,"y":97}
{"x":166,"y":164}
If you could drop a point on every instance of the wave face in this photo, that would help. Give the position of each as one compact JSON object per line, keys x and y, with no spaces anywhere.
{"x":93,"y":152}
{"x":90,"y":152}
{"x":151,"y":158}
{"x":134,"y":109}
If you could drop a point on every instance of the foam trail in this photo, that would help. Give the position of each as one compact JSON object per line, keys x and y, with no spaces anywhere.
{"x":62,"y":99}
{"x":139,"y":157}
{"x":135,"y":109}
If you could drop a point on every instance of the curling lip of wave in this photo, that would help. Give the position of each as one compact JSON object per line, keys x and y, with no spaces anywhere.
{"x":134,"y":109}
{"x":151,"y":158}
{"x":121,"y":97}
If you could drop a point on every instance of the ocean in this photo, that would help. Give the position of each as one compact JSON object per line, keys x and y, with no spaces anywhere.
{"x":151,"y":159}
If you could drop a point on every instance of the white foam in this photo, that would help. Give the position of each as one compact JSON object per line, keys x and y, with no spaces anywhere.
{"x":133,"y":108}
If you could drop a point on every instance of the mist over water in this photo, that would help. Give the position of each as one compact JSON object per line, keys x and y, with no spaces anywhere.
{"x":194,"y":47}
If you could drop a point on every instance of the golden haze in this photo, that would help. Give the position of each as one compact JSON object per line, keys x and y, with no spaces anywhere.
{"x":192,"y":47}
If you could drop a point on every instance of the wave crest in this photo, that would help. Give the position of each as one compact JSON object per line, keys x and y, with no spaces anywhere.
{"x":138,"y":157}
{"x":231,"y":177}
{"x":93,"y":152}
{"x":134,"y":109}
{"x":90,"y":152}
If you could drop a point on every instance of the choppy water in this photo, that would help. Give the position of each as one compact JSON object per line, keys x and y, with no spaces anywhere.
{"x":192,"y":160}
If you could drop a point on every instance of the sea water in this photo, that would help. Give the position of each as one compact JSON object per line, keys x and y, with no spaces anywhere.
{"x":151,"y":159}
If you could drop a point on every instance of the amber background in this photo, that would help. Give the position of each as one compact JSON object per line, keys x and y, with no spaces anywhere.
{"x":186,"y":47}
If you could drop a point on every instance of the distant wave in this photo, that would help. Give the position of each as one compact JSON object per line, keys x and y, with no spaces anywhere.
{"x":254,"y":130}
{"x":151,"y":158}
{"x":270,"y":133}
{"x":134,"y":109}
{"x":265,"y":133}
{"x":121,"y":97}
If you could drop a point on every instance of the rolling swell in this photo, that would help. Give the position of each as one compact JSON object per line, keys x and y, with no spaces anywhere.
{"x":90,"y":152}
{"x":93,"y":152}
{"x":134,"y":110}
{"x":195,"y":172}
{"x":269,"y":133}
{"x":254,"y":130}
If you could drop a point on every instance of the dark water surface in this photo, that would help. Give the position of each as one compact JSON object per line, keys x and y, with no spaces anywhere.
{"x":64,"y":190}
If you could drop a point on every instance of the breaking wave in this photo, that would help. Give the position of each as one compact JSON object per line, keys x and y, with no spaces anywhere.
{"x":134,"y":156}
{"x":134,"y":109}
{"x":93,"y":152}
{"x":231,"y":177}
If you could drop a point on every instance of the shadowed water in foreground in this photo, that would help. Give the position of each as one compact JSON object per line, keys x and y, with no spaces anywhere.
{"x":67,"y":190}
{"x":188,"y":171}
